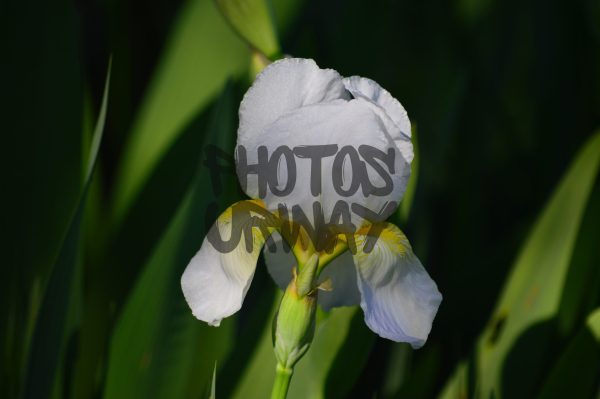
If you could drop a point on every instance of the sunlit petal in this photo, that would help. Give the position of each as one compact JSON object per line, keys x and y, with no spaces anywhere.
{"x":398,"y":297}
{"x":282,"y":87}
{"x":340,"y":123}
{"x":217,"y":278}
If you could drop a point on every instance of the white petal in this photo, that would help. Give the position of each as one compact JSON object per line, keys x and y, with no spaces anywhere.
{"x":342,"y":123}
{"x":285,"y":86}
{"x":341,"y":271}
{"x":370,"y":90}
{"x":399,"y":298}
{"x":215,"y":282}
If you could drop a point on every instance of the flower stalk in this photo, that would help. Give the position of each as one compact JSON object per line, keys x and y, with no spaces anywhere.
{"x":294,"y":324}
{"x":283,"y":376}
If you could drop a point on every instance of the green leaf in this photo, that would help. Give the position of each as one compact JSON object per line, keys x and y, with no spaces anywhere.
{"x":593,"y":325}
{"x":580,"y":363}
{"x":252,"y":322}
{"x":457,"y":385}
{"x":397,"y":369}
{"x":251,"y":19}
{"x":50,"y":329}
{"x":192,"y":70}
{"x":258,"y":375}
{"x":581,"y":292}
{"x":135,"y":241}
{"x":158,"y":348}
{"x":336,"y":357}
{"x":514,"y":346}
{"x":213,"y":384}
{"x":98,"y":130}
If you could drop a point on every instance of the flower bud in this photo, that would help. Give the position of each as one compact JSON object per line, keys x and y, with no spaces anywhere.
{"x":294,"y":324}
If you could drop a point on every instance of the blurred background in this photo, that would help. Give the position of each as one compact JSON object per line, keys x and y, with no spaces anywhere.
{"x":503,"y":210}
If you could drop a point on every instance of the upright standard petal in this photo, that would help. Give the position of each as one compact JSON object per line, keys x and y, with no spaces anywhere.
{"x":284,"y":86}
{"x":344,"y":127}
{"x":394,"y":111}
{"x":217,"y":278}
{"x":398,"y":297}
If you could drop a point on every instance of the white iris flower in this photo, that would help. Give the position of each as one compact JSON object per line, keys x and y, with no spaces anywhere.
{"x":296,"y":104}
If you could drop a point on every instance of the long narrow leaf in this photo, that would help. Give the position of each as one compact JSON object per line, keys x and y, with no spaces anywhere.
{"x":192,"y":70}
{"x":576,"y":373}
{"x":158,"y":348}
{"x":49,"y":335}
{"x":532,"y":295}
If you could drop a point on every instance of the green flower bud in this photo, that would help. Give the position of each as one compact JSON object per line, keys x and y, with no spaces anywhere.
{"x":294,"y":324}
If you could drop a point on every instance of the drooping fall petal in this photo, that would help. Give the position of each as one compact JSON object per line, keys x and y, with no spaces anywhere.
{"x":217,"y":278}
{"x":398,"y":297}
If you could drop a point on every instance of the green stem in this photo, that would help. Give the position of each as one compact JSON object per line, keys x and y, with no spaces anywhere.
{"x":282,"y":382}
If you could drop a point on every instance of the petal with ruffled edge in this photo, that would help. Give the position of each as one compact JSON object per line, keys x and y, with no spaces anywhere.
{"x":398,"y":297}
{"x":217,"y":278}
{"x":370,"y":90}
{"x":284,"y":86}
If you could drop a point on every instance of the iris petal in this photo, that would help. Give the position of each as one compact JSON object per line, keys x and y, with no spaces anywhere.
{"x":342,"y":124}
{"x":217,"y":278}
{"x":394,"y":111}
{"x":284,"y":86}
{"x":398,"y":297}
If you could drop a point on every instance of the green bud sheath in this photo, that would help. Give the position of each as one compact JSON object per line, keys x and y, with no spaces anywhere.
{"x":294,"y":326}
